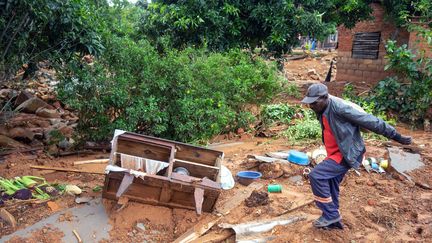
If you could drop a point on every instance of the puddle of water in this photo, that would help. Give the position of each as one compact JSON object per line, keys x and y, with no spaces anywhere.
{"x":403,"y":161}
{"x":90,"y":221}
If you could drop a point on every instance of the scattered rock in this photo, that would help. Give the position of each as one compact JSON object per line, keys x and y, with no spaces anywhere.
{"x":21,"y":133}
{"x":312,"y":72}
{"x":80,"y":200}
{"x":31,"y":105}
{"x":23,"y":96}
{"x":257,"y":199}
{"x":141,"y":226}
{"x":7,"y":142}
{"x":53,"y":206}
{"x":371,"y":183}
{"x":55,"y":121}
{"x":371,"y":202}
{"x":47,"y":113}
{"x":65,"y":144}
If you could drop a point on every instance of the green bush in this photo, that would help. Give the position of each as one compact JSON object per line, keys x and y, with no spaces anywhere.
{"x":307,"y":128}
{"x":187,"y":95}
{"x":277,"y":113}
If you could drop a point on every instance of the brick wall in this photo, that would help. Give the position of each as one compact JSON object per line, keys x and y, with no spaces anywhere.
{"x":365,"y":70}
{"x":419,"y":44}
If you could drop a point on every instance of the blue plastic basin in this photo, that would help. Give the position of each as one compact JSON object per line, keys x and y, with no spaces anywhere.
{"x":249,"y":174}
{"x":247,"y":177}
{"x":298,"y":157}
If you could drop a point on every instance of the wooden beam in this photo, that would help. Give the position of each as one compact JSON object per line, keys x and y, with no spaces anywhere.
{"x":210,"y":220}
{"x":65,"y":169}
{"x":215,"y":237}
{"x":93,"y":161}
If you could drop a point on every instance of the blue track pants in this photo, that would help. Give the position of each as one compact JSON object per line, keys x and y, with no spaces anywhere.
{"x":325,"y":179}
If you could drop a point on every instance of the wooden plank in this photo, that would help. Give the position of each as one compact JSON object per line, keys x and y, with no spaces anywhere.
{"x":150,"y":191}
{"x":215,"y":237}
{"x":185,"y":151}
{"x":143,"y":149}
{"x":201,"y":156}
{"x":198,"y":170}
{"x":238,"y":198}
{"x":165,"y":195}
{"x":93,"y":161}
{"x":210,"y":220}
{"x":65,"y":169}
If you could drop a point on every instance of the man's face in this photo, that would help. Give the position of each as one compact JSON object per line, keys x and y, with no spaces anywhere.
{"x":319,"y":105}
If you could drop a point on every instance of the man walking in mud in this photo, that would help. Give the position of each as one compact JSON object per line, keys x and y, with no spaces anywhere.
{"x":340,"y":122}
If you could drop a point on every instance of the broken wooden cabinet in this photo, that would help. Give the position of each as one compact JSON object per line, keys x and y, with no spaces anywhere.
{"x":196,"y":185}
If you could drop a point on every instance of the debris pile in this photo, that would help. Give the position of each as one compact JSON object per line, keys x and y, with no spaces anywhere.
{"x":257,"y":199}
{"x":31,"y":117}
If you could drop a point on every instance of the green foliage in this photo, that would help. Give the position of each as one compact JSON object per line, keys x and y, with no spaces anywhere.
{"x":292,"y":90}
{"x":32,"y":31}
{"x":410,"y":92}
{"x":307,"y":128}
{"x":186,"y":95}
{"x":278,"y":113}
{"x":221,"y":25}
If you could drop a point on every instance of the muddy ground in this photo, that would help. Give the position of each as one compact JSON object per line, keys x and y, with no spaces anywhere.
{"x":374,"y":207}
{"x":381,"y":208}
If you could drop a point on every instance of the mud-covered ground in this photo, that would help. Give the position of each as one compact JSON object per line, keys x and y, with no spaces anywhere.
{"x":374,"y":207}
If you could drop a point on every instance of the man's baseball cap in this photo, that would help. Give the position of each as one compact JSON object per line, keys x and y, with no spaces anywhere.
{"x":315,"y":91}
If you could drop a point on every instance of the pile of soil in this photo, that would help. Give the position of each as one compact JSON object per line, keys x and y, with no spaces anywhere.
{"x":257,"y":199}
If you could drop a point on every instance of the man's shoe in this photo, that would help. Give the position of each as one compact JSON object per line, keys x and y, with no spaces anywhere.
{"x":337,"y":225}
{"x":321,"y":222}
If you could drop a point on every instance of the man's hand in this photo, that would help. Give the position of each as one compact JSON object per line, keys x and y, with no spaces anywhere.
{"x":405,"y":140}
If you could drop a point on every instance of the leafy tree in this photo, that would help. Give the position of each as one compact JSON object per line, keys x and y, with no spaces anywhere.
{"x":37,"y":30}
{"x":221,"y":25}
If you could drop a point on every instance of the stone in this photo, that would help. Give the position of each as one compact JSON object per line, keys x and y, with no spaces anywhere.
{"x":371,"y":202}
{"x":64,"y":144}
{"x":47,"y":113}
{"x":141,"y":226}
{"x":23,"y":96}
{"x":7,"y":142}
{"x":55,"y":121}
{"x":31,"y":105}
{"x":20,"y":132}
{"x":371,"y":183}
{"x":312,"y":72}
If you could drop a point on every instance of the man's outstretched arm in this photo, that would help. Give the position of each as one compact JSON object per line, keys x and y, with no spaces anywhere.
{"x":373,"y":123}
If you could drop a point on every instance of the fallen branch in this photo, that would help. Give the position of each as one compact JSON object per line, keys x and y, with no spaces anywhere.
{"x":216,"y":236}
{"x":93,"y":161}
{"x":65,"y":169}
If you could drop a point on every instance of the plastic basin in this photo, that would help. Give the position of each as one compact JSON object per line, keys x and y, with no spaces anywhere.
{"x":247,"y":177}
{"x":298,"y":157}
